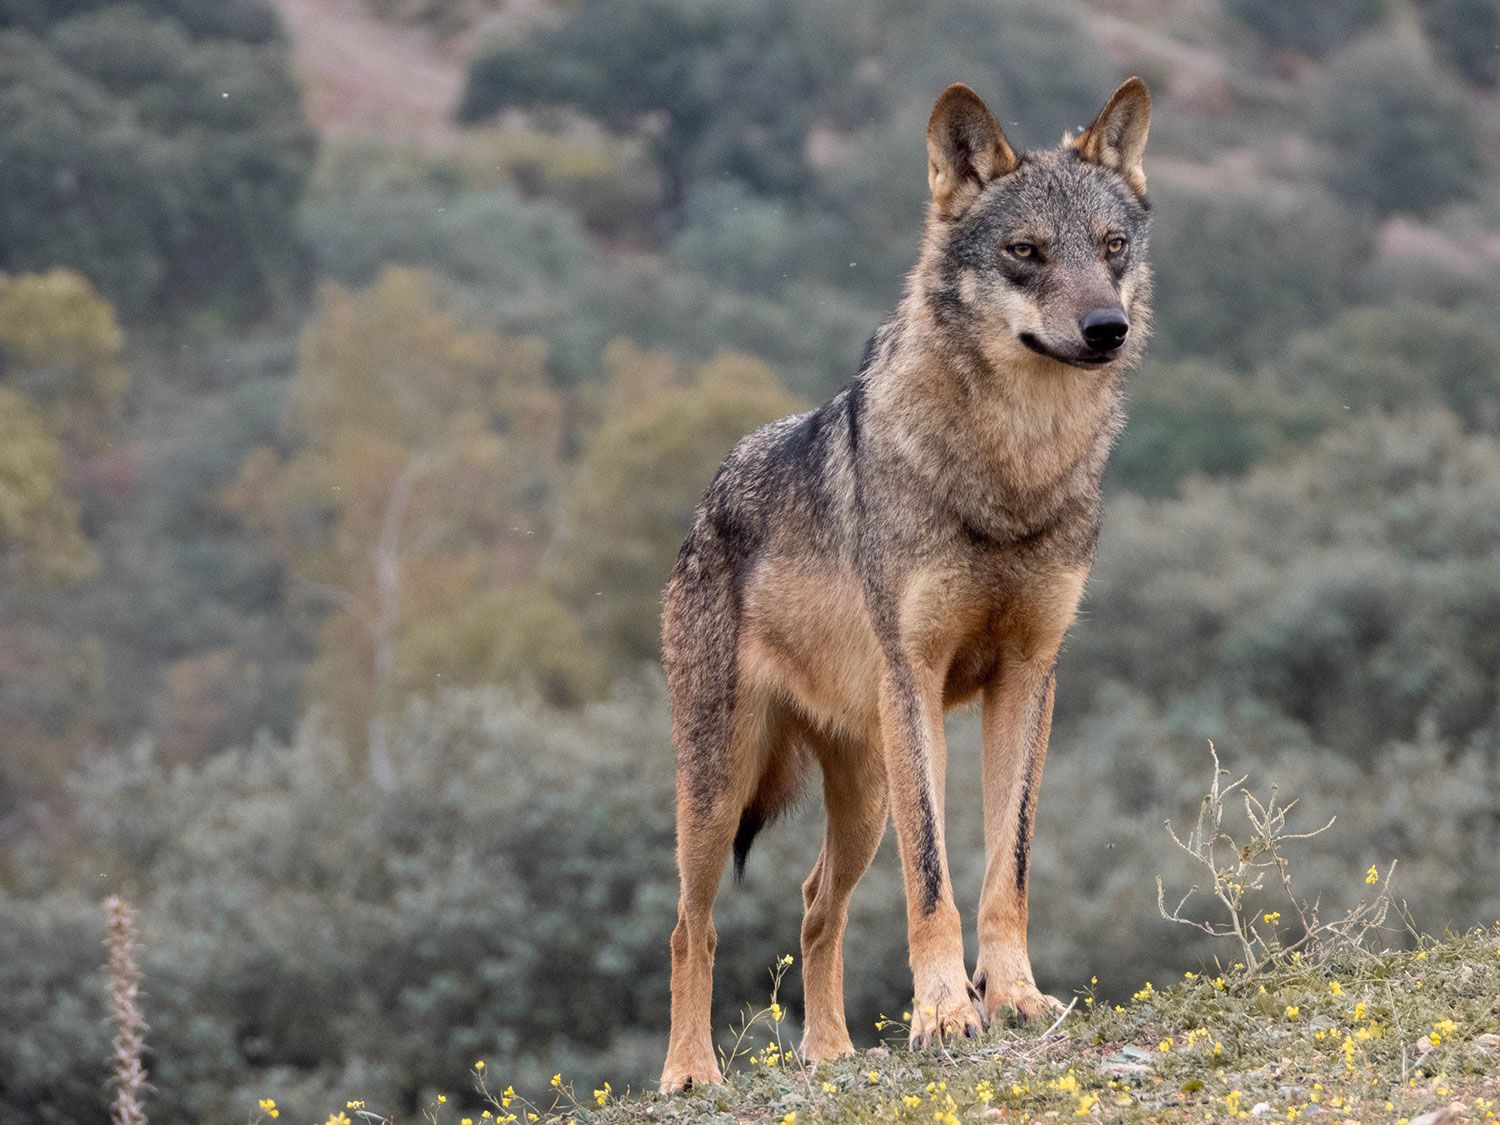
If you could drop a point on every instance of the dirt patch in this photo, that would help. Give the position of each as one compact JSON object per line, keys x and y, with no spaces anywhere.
{"x":362,"y":76}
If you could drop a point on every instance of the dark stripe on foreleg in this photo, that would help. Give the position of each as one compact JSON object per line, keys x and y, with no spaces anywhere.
{"x":1028,"y":782}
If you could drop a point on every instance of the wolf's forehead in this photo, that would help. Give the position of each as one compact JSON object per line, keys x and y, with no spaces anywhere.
{"x":1054,"y":194}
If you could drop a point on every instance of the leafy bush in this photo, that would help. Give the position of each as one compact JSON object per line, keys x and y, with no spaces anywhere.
{"x":165,"y":167}
{"x":713,"y":78}
{"x":1237,"y":272}
{"x":1396,"y":131}
{"x":1464,"y":34}
{"x":1189,"y":419}
{"x":1344,"y":598}
{"x":1397,"y":360}
{"x":1312,"y":29}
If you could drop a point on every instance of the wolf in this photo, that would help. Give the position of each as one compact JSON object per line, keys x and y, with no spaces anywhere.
{"x":918,"y":542}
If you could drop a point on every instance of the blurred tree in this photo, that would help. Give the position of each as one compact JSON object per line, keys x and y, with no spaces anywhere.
{"x":1190,"y":418}
{"x":423,"y":453}
{"x":60,"y":344}
{"x":1399,"y":360}
{"x":1343,"y":597}
{"x":159,"y":150}
{"x":1466,"y":36}
{"x":663,"y":433}
{"x":707,"y":83}
{"x":1311,"y":29}
{"x":1238,"y":271}
{"x":61,"y":380}
{"x":39,"y":527}
{"x":1397,"y":132}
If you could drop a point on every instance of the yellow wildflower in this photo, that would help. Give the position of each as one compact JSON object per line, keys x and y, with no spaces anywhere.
{"x":339,"y":1118}
{"x":874,"y":1077}
{"x":1272,"y":918}
{"x":1372,"y":876}
{"x":1292,"y":1011}
{"x":1335,"y":988}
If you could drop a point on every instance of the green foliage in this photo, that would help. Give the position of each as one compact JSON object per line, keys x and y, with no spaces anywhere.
{"x":1238,"y":271}
{"x":1398,"y":360}
{"x":632,"y":502}
{"x":590,"y":298}
{"x":39,"y":526}
{"x":1344,"y":598}
{"x":1189,"y":419}
{"x":423,"y":453}
{"x":714,"y":76}
{"x":1312,"y":29}
{"x":1396,"y":132}
{"x":163,"y":160}
{"x":1464,"y":34}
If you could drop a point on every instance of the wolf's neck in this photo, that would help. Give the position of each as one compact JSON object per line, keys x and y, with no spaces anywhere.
{"x":1013,"y":429}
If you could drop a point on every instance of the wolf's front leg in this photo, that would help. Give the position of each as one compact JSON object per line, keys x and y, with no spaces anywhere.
{"x":1017,"y":722}
{"x":911,"y":721}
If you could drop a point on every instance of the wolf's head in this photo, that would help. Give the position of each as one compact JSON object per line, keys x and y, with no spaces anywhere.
{"x":1039,"y":251}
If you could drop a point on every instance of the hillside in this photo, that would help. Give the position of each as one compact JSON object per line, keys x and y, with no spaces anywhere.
{"x":1409,"y":1037}
{"x":362,"y":363}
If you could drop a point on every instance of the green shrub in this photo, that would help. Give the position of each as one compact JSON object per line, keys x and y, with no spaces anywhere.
{"x":1396,"y":132}
{"x":1237,"y":272}
{"x":1313,"y":29}
{"x":165,"y":167}
{"x":1465,"y":33}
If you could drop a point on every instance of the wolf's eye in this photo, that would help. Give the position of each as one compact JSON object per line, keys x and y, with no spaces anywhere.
{"x":1115,"y":245}
{"x":1022,"y":249}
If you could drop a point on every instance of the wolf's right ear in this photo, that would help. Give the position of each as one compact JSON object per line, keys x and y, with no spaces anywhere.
{"x":966,"y":149}
{"x":1117,"y":138}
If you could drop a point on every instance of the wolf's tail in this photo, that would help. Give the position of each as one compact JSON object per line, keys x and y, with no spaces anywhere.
{"x":775,"y":793}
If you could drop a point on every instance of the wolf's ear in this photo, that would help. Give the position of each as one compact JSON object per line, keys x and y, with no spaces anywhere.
{"x":966,"y":149}
{"x":1117,"y":138}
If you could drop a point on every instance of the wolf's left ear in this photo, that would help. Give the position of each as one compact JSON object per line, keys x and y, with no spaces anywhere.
{"x":966,"y":149}
{"x":1117,"y":138}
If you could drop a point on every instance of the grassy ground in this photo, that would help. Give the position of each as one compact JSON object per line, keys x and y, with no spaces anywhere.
{"x":1407,"y":1037}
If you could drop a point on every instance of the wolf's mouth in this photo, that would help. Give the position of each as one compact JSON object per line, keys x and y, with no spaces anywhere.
{"x":1084,"y":359}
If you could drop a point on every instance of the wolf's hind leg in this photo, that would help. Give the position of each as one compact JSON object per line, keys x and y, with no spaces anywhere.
{"x":705,"y":833}
{"x":854,"y":794}
{"x":720,"y":731}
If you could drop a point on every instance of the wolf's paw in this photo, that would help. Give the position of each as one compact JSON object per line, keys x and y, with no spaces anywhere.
{"x":945,"y":1016}
{"x":678,"y":1076}
{"x":1020,"y":1001}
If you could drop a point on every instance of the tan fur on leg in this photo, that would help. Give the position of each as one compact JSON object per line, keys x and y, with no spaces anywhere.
{"x":855,"y":796}
{"x":1017,"y":724}
{"x":915,"y":756}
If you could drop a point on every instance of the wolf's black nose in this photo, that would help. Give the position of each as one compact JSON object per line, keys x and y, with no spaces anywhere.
{"x":1104,"y":329}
